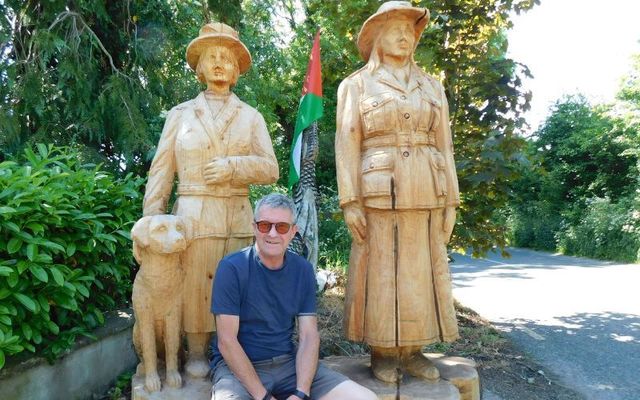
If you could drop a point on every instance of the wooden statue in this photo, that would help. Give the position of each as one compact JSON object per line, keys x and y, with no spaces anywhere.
{"x":216,"y":145}
{"x":398,"y":190}
{"x":158,"y":242}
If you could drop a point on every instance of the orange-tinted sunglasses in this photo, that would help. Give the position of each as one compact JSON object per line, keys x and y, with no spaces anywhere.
{"x":265,"y":226}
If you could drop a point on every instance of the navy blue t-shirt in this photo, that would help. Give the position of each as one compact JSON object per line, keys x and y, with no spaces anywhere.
{"x":267,"y":301}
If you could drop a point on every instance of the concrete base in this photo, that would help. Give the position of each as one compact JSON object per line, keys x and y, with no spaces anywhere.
{"x":459,"y":381}
{"x":85,"y":372}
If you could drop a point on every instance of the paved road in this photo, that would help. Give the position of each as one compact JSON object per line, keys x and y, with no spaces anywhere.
{"x":578,"y":317}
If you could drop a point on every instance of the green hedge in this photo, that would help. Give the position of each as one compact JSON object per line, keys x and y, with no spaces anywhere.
{"x":605,"y":230}
{"x":65,"y":253}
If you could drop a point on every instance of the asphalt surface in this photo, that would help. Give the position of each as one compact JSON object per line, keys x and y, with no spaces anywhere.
{"x":579,"y":318}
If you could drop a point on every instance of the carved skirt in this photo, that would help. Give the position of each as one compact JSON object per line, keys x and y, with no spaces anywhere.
{"x":200,"y":262}
{"x":399,"y":288}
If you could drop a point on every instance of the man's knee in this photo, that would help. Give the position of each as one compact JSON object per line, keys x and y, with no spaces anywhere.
{"x":226,"y":386}
{"x":349,"y":390}
{"x":229,"y":389}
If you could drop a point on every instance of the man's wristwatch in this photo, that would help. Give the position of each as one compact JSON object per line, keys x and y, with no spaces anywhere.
{"x":302,"y":395}
{"x":267,"y":396}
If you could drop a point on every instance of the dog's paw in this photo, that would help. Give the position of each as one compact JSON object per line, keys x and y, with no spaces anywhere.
{"x":174,"y":379}
{"x":152,"y":382}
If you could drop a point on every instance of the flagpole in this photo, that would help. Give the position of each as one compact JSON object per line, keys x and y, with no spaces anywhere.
{"x":304,"y":152}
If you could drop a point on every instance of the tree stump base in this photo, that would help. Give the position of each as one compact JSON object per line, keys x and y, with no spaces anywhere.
{"x":192,"y":388}
{"x":459,"y":379}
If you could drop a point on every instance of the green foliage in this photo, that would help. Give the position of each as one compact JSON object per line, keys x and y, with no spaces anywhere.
{"x":64,"y":248}
{"x":465,"y":46}
{"x":606,"y":230}
{"x":580,"y":196}
{"x":94,"y":74}
{"x":335,"y":243}
{"x":102,"y":76}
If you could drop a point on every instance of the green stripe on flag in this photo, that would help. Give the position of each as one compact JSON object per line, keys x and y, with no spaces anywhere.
{"x":310,"y":110}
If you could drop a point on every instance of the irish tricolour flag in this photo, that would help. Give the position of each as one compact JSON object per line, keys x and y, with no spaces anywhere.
{"x":310,"y":109}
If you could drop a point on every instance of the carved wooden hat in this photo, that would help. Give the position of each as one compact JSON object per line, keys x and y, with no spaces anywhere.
{"x":218,"y":34}
{"x":389,"y":10}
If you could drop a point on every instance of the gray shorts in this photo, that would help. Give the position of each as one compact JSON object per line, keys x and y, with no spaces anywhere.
{"x":277,"y":374}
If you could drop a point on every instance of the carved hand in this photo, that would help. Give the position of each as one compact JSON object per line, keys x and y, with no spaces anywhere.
{"x":448,"y":223}
{"x":218,"y":171}
{"x":357,"y":224}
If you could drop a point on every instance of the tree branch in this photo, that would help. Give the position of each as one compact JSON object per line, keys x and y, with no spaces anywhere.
{"x":78,"y":18}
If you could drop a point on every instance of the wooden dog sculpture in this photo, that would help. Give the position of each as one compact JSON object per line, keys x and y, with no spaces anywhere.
{"x":158,"y":242}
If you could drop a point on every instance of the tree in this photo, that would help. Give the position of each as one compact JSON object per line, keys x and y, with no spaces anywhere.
{"x":92,"y":73}
{"x":465,"y":46}
{"x":583,"y":149}
{"x":577,"y":195}
{"x":102,"y":75}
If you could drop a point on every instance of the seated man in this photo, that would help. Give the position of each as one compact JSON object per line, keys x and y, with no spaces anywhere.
{"x":257,"y":294}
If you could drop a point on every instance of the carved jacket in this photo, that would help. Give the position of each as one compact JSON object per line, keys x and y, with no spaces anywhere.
{"x":191,"y":139}
{"x":393,"y":142}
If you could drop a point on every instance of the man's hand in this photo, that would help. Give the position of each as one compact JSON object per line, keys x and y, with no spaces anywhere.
{"x":356,"y":222}
{"x":449,"y":221}
{"x":219,"y":170}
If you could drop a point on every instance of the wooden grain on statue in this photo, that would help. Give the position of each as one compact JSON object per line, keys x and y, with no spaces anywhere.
{"x":216,"y":146}
{"x":398,"y":190}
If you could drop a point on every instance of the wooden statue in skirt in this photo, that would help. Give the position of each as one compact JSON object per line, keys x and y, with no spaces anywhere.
{"x":216,"y":145}
{"x":398,"y":190}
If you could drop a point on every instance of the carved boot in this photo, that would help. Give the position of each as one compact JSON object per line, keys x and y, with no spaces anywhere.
{"x":385,"y":364}
{"x":416,"y":364}
{"x":197,"y":365}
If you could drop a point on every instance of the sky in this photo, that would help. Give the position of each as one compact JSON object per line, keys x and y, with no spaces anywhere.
{"x":575,"y":46}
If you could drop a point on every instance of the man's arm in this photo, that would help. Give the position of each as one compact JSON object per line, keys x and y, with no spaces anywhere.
{"x":307,"y":355}
{"x":235,"y":357}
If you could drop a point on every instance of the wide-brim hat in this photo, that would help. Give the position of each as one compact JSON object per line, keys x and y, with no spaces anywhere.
{"x":389,"y":10}
{"x":218,"y":34}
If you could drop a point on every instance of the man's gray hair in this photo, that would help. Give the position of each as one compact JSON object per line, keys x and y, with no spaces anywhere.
{"x":276,"y":200}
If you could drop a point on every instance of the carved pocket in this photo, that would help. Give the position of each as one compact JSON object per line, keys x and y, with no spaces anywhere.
{"x":377,"y":175}
{"x":378,"y":113}
{"x":431,"y":109}
{"x":438,"y":170}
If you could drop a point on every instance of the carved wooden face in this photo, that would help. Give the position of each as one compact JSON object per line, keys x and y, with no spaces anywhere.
{"x":397,"y":38}
{"x":218,"y":66}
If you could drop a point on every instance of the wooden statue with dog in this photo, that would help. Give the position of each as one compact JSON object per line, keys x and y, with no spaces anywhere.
{"x":216,"y":145}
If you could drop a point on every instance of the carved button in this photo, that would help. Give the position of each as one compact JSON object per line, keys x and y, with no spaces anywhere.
{"x":375,"y":104}
{"x":405,"y":153}
{"x":407,"y":116}
{"x":371,"y":166}
{"x":403,"y":97}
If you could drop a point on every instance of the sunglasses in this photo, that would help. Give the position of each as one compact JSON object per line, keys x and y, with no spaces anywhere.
{"x":265,"y":226}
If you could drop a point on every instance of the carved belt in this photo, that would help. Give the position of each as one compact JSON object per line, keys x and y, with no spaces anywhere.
{"x":185,"y":189}
{"x":400,"y":139}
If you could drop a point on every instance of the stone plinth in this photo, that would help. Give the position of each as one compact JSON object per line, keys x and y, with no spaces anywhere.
{"x":459,"y":381}
{"x":192,"y":388}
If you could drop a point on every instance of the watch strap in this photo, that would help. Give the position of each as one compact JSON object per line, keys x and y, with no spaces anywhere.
{"x":299,"y":393}
{"x":267,"y":396}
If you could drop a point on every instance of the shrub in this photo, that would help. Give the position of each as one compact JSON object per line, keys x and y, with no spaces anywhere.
{"x":606,"y":230}
{"x":335,"y":239}
{"x":534,"y":225}
{"x":65,"y":253}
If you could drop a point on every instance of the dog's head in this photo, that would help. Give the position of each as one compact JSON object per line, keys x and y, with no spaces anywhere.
{"x":161,"y":234}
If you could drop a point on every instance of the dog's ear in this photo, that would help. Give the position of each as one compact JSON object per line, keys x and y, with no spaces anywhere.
{"x":189,"y":225}
{"x":140,"y":236}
